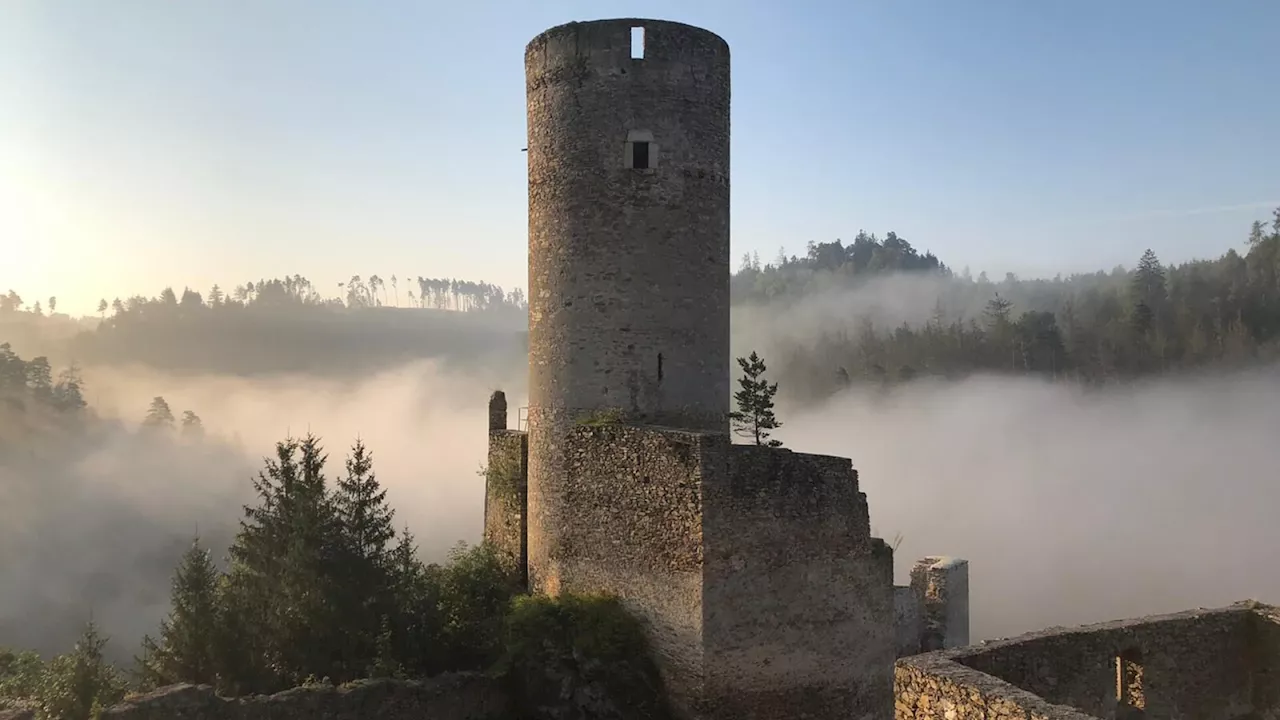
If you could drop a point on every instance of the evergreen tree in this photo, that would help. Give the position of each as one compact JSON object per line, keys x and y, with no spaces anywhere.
{"x":754,"y":417}
{"x":68,"y":391}
{"x":80,"y":684}
{"x":186,"y":649}
{"x":284,"y":561}
{"x":40,"y":378}
{"x":158,"y":414}
{"x":366,"y":593}
{"x":191,"y":424}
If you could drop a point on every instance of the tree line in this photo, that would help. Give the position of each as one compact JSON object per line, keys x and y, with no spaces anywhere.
{"x":1100,"y":327}
{"x":1087,"y":328}
{"x":357,"y":292}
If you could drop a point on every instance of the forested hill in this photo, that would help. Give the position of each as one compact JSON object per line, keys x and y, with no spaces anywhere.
{"x":856,"y":325}
{"x":874,"y":310}
{"x":285,"y":325}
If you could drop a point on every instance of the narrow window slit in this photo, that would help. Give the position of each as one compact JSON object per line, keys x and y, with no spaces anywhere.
{"x":640,"y":155}
{"x":637,"y":43}
{"x":659,"y":367}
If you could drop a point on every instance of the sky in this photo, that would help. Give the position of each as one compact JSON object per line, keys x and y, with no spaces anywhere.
{"x":146,"y":143}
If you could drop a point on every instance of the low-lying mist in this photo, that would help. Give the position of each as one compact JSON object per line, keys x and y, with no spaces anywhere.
{"x":1071,"y":506}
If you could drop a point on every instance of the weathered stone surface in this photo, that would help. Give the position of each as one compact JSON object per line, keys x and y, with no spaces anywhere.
{"x":941,"y":587}
{"x":506,"y":496}
{"x":628,"y":267}
{"x":1205,"y":664}
{"x":753,"y":568}
{"x":461,"y":696}
{"x":907,"y":621}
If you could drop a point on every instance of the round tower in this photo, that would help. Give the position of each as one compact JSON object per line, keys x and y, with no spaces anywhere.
{"x":628,"y":147}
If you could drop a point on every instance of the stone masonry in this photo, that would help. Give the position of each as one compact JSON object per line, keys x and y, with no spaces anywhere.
{"x":628,"y":255}
{"x":1221,"y":664}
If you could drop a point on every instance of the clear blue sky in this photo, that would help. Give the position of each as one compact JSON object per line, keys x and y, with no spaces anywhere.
{"x":154,"y":142}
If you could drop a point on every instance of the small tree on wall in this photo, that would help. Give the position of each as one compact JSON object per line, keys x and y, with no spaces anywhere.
{"x":754,"y":417}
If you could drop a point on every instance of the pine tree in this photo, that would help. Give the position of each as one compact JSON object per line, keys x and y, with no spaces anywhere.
{"x":80,"y":684}
{"x":68,"y":392}
{"x":186,"y":650}
{"x":285,"y":561}
{"x":754,"y":417}
{"x":365,"y":529}
{"x":158,"y":414}
{"x":191,"y":424}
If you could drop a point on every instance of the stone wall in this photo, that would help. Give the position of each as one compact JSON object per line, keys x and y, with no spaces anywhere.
{"x":932,"y":613}
{"x":449,"y":697}
{"x":1203,"y":664}
{"x":506,"y":488}
{"x":798,"y":597}
{"x":754,"y":569}
{"x":636,"y":532}
{"x":907,"y":621}
{"x":941,"y":587}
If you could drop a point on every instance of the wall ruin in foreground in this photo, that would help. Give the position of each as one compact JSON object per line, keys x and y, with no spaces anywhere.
{"x":1221,"y":664}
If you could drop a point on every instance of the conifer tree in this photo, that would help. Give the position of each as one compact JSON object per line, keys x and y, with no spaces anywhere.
{"x":754,"y":417}
{"x":80,"y":684}
{"x":186,"y":650}
{"x":284,"y":561}
{"x":158,"y":414}
{"x":365,"y":529}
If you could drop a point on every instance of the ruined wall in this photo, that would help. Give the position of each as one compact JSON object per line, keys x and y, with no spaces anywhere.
{"x":1203,"y":664}
{"x":449,"y":697}
{"x":506,"y":487}
{"x":932,"y":613}
{"x":798,"y":597}
{"x":907,"y":621}
{"x":636,"y":532}
{"x":505,"y":519}
{"x":1265,"y":660}
{"x":941,"y":587}
{"x":628,"y":267}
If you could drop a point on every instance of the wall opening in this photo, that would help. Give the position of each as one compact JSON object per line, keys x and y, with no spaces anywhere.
{"x":640,"y":155}
{"x":637,"y":43}
{"x":659,"y":367}
{"x":1131,"y":696}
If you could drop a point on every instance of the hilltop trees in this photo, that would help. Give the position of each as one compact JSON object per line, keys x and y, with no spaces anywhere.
{"x":754,"y":417}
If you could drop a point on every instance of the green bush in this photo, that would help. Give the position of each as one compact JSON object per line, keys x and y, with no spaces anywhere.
{"x":579,"y":656}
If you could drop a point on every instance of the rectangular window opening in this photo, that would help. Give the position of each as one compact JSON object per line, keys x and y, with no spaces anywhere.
{"x":1131,"y":696}
{"x":637,"y":43}
{"x":640,"y":155}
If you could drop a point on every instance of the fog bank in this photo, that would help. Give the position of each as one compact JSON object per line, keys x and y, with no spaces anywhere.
{"x":1071,"y":507}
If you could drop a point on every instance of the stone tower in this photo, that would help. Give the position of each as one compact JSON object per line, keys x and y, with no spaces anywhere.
{"x":628,"y":155}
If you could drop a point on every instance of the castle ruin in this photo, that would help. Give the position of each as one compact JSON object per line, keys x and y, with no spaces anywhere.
{"x":754,"y":568}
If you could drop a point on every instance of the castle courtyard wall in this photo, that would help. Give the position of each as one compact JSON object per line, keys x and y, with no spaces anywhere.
{"x":1202,"y":664}
{"x":798,"y":597}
